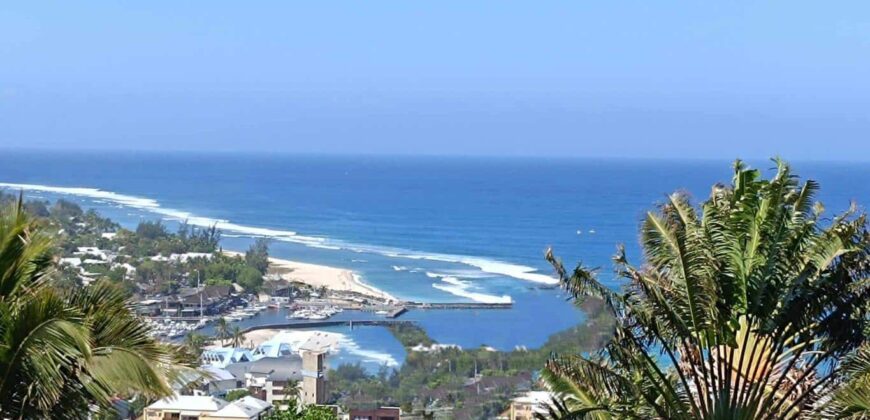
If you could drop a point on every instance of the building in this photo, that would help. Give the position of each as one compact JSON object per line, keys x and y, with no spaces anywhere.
{"x":244,"y":408}
{"x":276,"y":292}
{"x":189,"y":407}
{"x":183,"y":258}
{"x":222,"y":357}
{"x":149,"y":307}
{"x":313,"y":381}
{"x":219,"y":381}
{"x":525,"y":406}
{"x":383,"y":413}
{"x":211,"y":300}
{"x":183,"y":407}
{"x":269,"y":378}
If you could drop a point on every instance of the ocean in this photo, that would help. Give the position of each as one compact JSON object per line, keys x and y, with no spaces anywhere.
{"x":436,"y":229}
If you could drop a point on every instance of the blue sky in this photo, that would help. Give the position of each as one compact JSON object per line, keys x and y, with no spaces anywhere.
{"x":575,"y":78}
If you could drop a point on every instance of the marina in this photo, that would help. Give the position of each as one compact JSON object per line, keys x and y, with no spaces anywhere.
{"x":317,"y":311}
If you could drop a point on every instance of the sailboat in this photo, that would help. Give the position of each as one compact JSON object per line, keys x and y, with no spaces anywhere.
{"x":202,"y":321}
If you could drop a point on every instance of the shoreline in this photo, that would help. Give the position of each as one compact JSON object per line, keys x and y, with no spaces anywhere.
{"x":317,"y":275}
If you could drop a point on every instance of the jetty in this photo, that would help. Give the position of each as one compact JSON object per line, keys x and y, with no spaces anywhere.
{"x":392,"y":311}
{"x":322,"y":324}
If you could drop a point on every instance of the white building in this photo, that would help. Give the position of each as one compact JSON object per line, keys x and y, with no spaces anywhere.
{"x":74,"y":261}
{"x":183,"y":407}
{"x":94,"y":251}
{"x":525,"y":406}
{"x":243,"y":408}
{"x":219,"y":381}
{"x":189,"y":407}
{"x":190,"y":255}
{"x":222,"y":357}
{"x":435,"y":347}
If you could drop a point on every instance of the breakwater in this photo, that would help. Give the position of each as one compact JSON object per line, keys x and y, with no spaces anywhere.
{"x":322,"y":324}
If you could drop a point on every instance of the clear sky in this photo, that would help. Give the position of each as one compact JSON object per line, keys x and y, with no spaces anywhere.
{"x":575,"y":78}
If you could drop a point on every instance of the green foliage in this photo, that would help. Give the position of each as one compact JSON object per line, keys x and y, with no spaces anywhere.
{"x":236,"y":336}
{"x":218,"y":282}
{"x":198,"y":240}
{"x":224,"y":270}
{"x":250,"y":278}
{"x":161,"y":274}
{"x":62,"y":351}
{"x":222,"y":330}
{"x":65,"y":210}
{"x":445,"y":373}
{"x":236,"y":394}
{"x":410,"y":335}
{"x":37,"y":208}
{"x":750,"y":306}
{"x":194,"y":343}
{"x":151,"y":230}
{"x":257,"y":255}
{"x":294,"y":412}
{"x":851,"y":400}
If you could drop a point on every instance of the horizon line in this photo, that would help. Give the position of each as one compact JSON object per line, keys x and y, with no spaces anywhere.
{"x":446,"y":155}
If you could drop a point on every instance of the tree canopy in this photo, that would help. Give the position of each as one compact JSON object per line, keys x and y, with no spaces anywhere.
{"x":750,"y":306}
{"x":65,"y":351}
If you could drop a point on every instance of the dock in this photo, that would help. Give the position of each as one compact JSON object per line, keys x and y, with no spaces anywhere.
{"x":321,"y":324}
{"x":392,"y":311}
{"x":397,"y":312}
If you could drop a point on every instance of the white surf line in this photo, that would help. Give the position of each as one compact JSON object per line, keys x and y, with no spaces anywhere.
{"x":490,"y":266}
{"x":461,"y":288}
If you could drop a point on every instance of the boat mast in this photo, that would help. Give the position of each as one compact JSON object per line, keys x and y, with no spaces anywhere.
{"x":200,"y":295}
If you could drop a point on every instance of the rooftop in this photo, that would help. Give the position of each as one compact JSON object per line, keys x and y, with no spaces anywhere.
{"x":244,"y":408}
{"x":275,"y":368}
{"x":189,"y":403}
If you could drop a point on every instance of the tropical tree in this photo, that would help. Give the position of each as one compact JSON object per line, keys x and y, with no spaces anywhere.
{"x":852,"y":398}
{"x":291,"y":389}
{"x":294,"y":411}
{"x":237,"y":337}
{"x":65,"y":351}
{"x":236,"y":394}
{"x":194,"y":342}
{"x":750,"y":307}
{"x":222,"y":329}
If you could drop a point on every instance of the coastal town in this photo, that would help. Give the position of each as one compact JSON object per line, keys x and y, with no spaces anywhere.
{"x":194,"y":294}
{"x":285,"y":210}
{"x":155,"y":320}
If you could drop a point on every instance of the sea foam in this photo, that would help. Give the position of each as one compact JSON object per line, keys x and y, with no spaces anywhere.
{"x":343,"y":344}
{"x":486,"y":265}
{"x":457,"y":287}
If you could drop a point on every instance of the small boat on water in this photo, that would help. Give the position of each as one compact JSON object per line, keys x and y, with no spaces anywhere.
{"x":313,"y":314}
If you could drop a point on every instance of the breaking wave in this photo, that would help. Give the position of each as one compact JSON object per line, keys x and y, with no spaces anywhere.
{"x":485,"y":265}
{"x":457,"y":287}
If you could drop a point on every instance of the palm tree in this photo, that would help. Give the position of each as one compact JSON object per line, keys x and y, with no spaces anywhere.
{"x":744,"y":308}
{"x":222,"y":329}
{"x":237,"y":337}
{"x":291,"y":389}
{"x":194,"y":342}
{"x":852,"y":398}
{"x":63,"y":351}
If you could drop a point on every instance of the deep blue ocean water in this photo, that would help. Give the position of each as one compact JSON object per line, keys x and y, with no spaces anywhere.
{"x":421,"y":228}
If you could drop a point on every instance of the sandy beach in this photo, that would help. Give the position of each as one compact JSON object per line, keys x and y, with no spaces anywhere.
{"x":257,"y":337}
{"x":337,"y":279}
